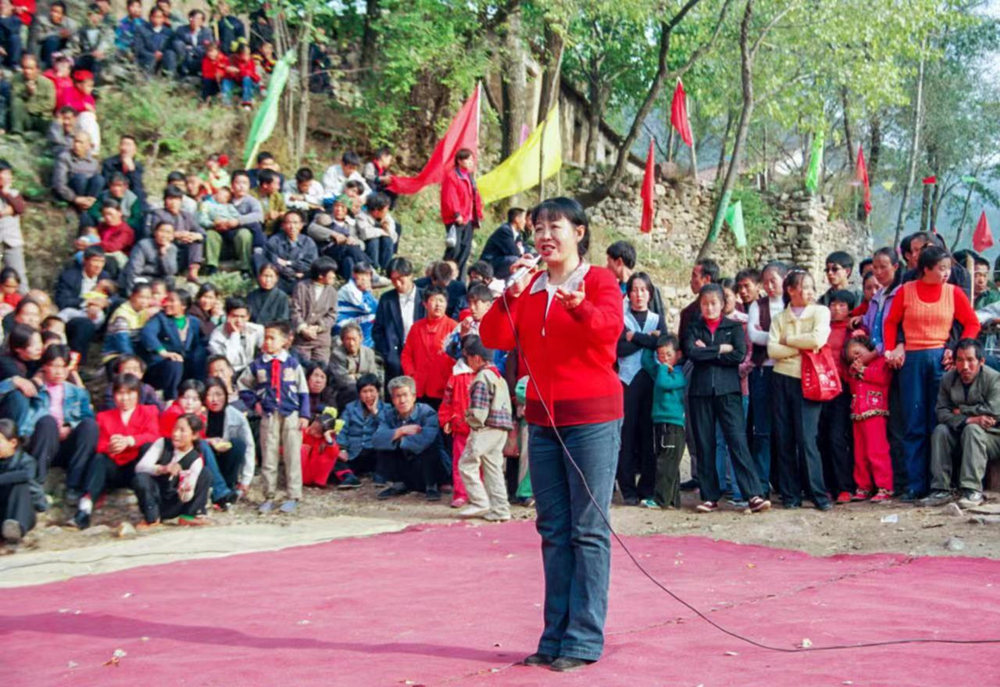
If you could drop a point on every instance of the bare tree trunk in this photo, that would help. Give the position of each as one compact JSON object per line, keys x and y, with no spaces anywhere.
{"x":596,"y":112}
{"x":694,"y":142}
{"x":935,"y":205}
{"x":305,"y":35}
{"x":746,"y":78}
{"x":513,"y":82}
{"x":918,"y":120}
{"x":722,"y":148}
{"x":368,"y":36}
{"x":925,"y":206}
{"x":554,"y":45}
{"x":965,"y":215}
{"x":875,"y":148}
{"x":848,"y":138}
{"x":662,"y":72}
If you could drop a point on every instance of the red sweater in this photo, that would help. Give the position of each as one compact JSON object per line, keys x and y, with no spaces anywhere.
{"x":168,"y":418}
{"x":141,"y":426}
{"x":247,"y":68}
{"x":424,"y":357}
{"x":930,"y":293}
{"x":116,"y":238}
{"x":459,"y":197}
{"x":213,"y":70}
{"x":571,"y":353}
{"x":839,"y":332}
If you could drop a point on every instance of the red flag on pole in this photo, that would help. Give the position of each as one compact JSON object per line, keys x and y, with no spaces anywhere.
{"x":983,"y":238}
{"x":679,"y":114}
{"x":862,"y":178}
{"x":648,"y":192}
{"x":463,"y":133}
{"x":930,"y":180}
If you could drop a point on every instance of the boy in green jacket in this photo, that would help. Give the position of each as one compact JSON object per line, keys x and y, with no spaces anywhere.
{"x":668,"y":420}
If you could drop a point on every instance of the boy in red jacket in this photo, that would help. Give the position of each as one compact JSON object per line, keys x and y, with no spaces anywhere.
{"x":124,"y":434}
{"x":424,"y":357}
{"x":248,"y":76}
{"x":117,"y":237}
{"x":215,"y":69}
{"x":451,"y":415}
{"x":835,"y":417}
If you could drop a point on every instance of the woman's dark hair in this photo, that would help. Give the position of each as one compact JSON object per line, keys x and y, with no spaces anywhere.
{"x":55,"y":352}
{"x":9,"y":429}
{"x":120,"y":361}
{"x":930,"y":257}
{"x":728,"y":283}
{"x":217,"y":358}
{"x":195,"y":385}
{"x":862,"y":339}
{"x":368,"y":379}
{"x":25,"y":302}
{"x":126,"y":383}
{"x":311,"y":366}
{"x":268,"y":266}
{"x":213,"y":382}
{"x":206,"y":288}
{"x":435,"y":290}
{"x":712,"y":288}
{"x":9,"y":273}
{"x":184,"y":297}
{"x":20,"y":336}
{"x":645,"y":279}
{"x":793,"y":280}
{"x":568,"y":209}
{"x":889,"y":252}
{"x":462,"y":154}
{"x":779,"y":267}
{"x":194,"y":422}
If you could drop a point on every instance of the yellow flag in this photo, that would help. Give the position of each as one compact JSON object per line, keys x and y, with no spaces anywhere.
{"x":519,"y":172}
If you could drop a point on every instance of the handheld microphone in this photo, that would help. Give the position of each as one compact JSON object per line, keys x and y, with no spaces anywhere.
{"x":523,"y":272}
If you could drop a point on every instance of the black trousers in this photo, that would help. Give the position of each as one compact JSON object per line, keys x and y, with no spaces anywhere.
{"x":416,"y":471}
{"x":637,"y":455}
{"x":897,"y":430}
{"x":669,"y":441}
{"x":837,"y":447}
{"x":16,"y":504}
{"x":104,"y":474}
{"x":80,"y":332}
{"x":462,"y":249}
{"x":74,"y":454}
{"x":727,"y":411}
{"x":795,"y":428}
{"x":158,"y":497}
{"x":365,"y":462}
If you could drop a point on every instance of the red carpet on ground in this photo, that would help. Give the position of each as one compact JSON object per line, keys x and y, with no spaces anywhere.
{"x":459,"y":605}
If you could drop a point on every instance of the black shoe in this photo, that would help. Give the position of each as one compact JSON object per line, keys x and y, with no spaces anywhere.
{"x":539,"y":659}
{"x":938,"y":497}
{"x":689,"y":485}
{"x":392,"y":491}
{"x":81,"y":520}
{"x":433,"y":495}
{"x":824,"y":505}
{"x":567,"y":664}
{"x":909,"y":497}
{"x":631,"y":500}
{"x":791,"y":505}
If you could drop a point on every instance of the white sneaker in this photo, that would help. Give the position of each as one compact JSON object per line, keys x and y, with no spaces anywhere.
{"x":471,"y":511}
{"x":496,"y":517}
{"x":971,"y":498}
{"x":380,"y":282}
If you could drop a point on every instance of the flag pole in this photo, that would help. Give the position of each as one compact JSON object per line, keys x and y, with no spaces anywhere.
{"x":541,"y":160}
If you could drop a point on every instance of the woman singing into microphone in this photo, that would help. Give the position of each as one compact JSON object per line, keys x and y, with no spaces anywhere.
{"x":567,"y":316}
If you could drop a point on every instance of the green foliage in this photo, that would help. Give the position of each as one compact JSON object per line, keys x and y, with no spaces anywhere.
{"x":759,"y":217}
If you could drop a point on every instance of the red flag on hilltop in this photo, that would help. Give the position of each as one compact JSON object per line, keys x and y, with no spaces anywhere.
{"x":648,"y":191}
{"x":983,"y":238}
{"x":862,"y":178}
{"x":463,"y":133}
{"x":679,"y":114}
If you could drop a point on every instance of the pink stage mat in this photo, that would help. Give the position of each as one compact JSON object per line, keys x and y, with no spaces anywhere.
{"x":459,"y":605}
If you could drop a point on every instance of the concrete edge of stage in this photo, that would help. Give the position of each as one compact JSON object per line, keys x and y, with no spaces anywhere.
{"x":183,"y":543}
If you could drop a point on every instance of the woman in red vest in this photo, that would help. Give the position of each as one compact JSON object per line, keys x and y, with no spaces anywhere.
{"x":566,"y":320}
{"x":461,"y":208}
{"x":926,"y":309}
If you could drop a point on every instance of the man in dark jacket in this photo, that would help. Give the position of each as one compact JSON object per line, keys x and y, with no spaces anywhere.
{"x":397,"y":311}
{"x":505,"y":245}
{"x":21,"y":496}
{"x":124,"y":163}
{"x":968,"y":408}
{"x":154,"y":45}
{"x":190,"y":43}
{"x":74,"y":281}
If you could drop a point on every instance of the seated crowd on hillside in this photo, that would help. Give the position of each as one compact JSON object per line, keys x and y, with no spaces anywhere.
{"x":345,"y":362}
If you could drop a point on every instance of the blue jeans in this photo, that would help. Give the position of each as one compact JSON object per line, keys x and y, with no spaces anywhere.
{"x":219,"y":486}
{"x":250,"y":89}
{"x":724,"y":462}
{"x":576,"y":539}
{"x":760,"y":418}
{"x":919,"y":380}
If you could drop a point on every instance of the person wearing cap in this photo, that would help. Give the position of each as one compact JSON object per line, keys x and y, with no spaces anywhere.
{"x":55,"y":31}
{"x":490,"y":418}
{"x":92,"y":44}
{"x":76,"y":177}
{"x":33,"y":98}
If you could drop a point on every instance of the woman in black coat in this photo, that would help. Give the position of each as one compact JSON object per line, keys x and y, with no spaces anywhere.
{"x":716,"y":346}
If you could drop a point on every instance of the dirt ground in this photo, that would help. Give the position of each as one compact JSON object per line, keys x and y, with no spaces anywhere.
{"x":855,"y":528}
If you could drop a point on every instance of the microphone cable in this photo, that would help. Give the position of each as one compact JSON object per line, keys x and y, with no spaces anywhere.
{"x":662,"y":587}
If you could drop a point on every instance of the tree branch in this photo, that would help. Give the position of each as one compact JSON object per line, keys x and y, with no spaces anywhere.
{"x":767,"y":29}
{"x":679,"y":17}
{"x":701,"y":50}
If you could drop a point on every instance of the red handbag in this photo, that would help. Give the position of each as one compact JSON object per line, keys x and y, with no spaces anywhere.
{"x":820,"y":377}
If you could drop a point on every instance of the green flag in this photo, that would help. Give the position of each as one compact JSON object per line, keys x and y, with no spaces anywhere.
{"x":970,"y":180}
{"x":815,"y":163}
{"x":267,"y":115}
{"x":734,"y":218}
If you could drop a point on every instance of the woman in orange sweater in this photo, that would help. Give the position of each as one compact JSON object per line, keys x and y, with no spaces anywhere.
{"x":926,"y":309}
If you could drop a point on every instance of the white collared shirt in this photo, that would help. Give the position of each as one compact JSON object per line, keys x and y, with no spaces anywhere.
{"x":408,"y":307}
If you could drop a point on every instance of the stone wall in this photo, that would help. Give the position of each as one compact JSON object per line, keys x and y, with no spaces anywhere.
{"x":804,"y":234}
